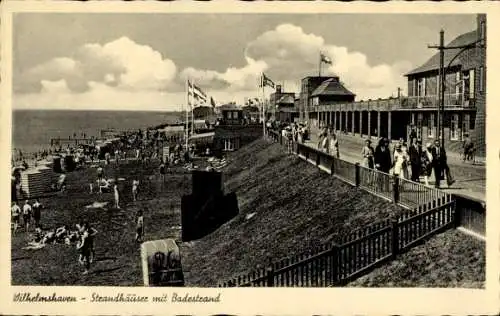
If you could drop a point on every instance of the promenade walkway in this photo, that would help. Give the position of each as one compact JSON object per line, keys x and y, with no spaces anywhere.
{"x":470,"y":179}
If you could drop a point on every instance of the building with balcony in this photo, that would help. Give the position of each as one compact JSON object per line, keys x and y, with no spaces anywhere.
{"x":464,"y":100}
{"x":464,"y":93}
{"x":234,"y":130}
{"x":282,"y":105}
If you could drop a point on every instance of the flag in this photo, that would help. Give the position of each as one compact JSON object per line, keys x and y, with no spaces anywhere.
{"x":198,"y":95}
{"x":266,"y":81}
{"x":325,"y":59}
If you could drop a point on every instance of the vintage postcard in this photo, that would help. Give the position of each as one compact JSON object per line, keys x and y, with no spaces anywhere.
{"x":250,"y":159}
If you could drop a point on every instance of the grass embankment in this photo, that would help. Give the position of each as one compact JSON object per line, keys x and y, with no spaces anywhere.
{"x":450,"y":259}
{"x":286,"y":206}
{"x":117,"y":255}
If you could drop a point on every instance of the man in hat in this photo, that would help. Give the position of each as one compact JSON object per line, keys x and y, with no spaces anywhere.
{"x":440,"y":165}
{"x":415,"y":153}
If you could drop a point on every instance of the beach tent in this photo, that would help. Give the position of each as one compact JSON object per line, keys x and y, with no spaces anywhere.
{"x":161,"y":263}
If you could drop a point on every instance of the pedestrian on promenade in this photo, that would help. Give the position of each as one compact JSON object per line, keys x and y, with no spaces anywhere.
{"x":382,"y":156}
{"x":468,"y":148}
{"x":427,"y":162}
{"x":415,"y":154}
{"x":367,"y":153}
{"x":441,"y":165}
{"x":334,"y":144}
{"x":400,"y":162}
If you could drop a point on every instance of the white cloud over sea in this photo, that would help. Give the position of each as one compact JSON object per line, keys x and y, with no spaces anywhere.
{"x":126,"y":75}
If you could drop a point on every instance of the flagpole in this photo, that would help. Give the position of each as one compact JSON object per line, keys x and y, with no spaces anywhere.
{"x":187,"y":118}
{"x":263,"y":111}
{"x":319,"y":65}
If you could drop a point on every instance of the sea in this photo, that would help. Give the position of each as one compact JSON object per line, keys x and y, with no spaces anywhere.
{"x":33,"y":129}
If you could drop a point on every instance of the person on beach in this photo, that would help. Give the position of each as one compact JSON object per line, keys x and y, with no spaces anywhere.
{"x":16,"y":213}
{"x":84,"y":251}
{"x":117,"y":195}
{"x":139,"y":230}
{"x":27,"y":215}
{"x":37,"y":213}
{"x":135,"y":189}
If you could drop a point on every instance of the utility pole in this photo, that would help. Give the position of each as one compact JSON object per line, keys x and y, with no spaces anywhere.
{"x":442,"y":76}
{"x":440,"y":107}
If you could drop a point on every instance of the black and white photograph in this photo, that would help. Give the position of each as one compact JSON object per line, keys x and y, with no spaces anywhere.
{"x":263,"y":150}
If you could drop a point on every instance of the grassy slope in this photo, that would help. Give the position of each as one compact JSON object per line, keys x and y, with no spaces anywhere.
{"x":296,"y":207}
{"x":450,"y":259}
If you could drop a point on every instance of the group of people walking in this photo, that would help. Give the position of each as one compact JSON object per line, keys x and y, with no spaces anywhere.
{"x":328,"y":142}
{"x":409,"y":162}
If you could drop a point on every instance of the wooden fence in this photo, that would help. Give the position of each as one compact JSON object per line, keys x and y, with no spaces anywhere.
{"x":348,"y":258}
{"x":404,"y":192}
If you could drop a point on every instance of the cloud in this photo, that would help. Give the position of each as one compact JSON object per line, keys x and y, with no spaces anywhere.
{"x":122,"y":64}
{"x":291,"y":53}
{"x":124,"y":74}
{"x":233,"y":79}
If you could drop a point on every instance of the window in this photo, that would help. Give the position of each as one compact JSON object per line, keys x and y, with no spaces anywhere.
{"x":421,"y":87}
{"x":472,"y":84}
{"x":458,"y":84}
{"x":420,"y":118}
{"x":482,"y":33}
{"x":431,"y":125}
{"x":466,"y":125}
{"x":454,"y":127}
{"x":481,"y":79}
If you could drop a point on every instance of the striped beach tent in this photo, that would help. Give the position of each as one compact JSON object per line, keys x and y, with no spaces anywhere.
{"x":161,"y":263}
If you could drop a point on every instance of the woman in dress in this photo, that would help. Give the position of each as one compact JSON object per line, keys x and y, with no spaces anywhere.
{"x":400,"y":162}
{"x":367,"y":153}
{"x":427,"y":162}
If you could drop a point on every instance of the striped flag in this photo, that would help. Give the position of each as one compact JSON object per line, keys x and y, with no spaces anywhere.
{"x":325,"y":59}
{"x":266,"y":81}
{"x":196,"y":96}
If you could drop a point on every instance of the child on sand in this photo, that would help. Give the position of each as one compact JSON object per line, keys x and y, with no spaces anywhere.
{"x":139,"y":226}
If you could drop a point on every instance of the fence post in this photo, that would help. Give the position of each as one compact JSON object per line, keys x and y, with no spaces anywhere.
{"x":395,"y":238}
{"x":457,"y":213}
{"x":270,"y":276}
{"x":318,"y":157}
{"x":333,"y":165}
{"x":357,"y":177}
{"x":395,"y":190}
{"x":335,"y":265}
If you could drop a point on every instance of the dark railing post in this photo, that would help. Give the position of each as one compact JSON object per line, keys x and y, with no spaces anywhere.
{"x":333,"y":165}
{"x":318,"y":157}
{"x":335,"y":265}
{"x":457,"y":213}
{"x":357,"y":177}
{"x":270,"y":276}
{"x":395,"y":238}
{"x":395,"y":190}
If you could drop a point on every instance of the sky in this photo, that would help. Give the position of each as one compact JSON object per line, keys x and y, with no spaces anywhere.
{"x":140,"y":61}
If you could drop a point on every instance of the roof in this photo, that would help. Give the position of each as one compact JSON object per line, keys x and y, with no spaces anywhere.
{"x":433,"y":62}
{"x":233,"y":107}
{"x":286,"y":99}
{"x":331,"y":87}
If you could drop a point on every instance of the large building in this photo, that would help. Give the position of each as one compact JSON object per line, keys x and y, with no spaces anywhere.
{"x":464,"y":101}
{"x":464,"y":93}
{"x":283,"y":105}
{"x":317,"y":91}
